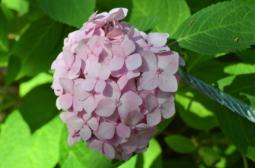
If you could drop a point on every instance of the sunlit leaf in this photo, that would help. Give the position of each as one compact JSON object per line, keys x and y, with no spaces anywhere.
{"x":4,"y":43}
{"x":228,"y":27}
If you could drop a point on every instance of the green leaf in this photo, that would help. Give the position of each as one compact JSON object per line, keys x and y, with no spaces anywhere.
{"x":41,"y":78}
{"x":252,"y":1}
{"x":38,"y":44}
{"x":171,"y":13}
{"x":21,"y":6}
{"x":151,"y":155}
{"x":39,"y":106}
{"x":180,"y":144}
{"x":145,"y":23}
{"x":13,"y":130}
{"x":12,"y":69}
{"x":247,"y":56}
{"x":39,"y":150}
{"x":209,"y":156}
{"x":130,"y":163}
{"x":72,"y":161}
{"x":71,"y":12}
{"x":88,"y":157}
{"x":4,"y":43}
{"x":217,"y":33}
{"x":195,"y":109}
{"x":237,"y":129}
{"x":163,"y":125}
{"x":239,"y":69}
{"x":197,"y":5}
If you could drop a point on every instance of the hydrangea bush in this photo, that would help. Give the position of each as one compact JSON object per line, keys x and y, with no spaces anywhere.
{"x":115,"y":84}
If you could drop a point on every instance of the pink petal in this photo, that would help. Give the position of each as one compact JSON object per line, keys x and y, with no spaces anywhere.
{"x":181,"y":61}
{"x":67,"y":85}
{"x":157,"y":39}
{"x":149,"y":61}
{"x":80,"y":93}
{"x":143,"y":143}
{"x":97,"y":51}
{"x":114,"y":117}
{"x":76,"y":67}
{"x":120,"y":72}
{"x":77,"y":104}
{"x":167,"y":83}
{"x":128,"y":47}
{"x":94,"y":69}
{"x":130,"y":86}
{"x":105,"y":107}
{"x":133,"y":74}
{"x":131,"y":145}
{"x":88,"y":84}
{"x":93,"y":123}
{"x":100,"y":86}
{"x":146,"y":131}
{"x":164,"y":97}
{"x":90,"y":104}
{"x":125,"y":156}
{"x":85,"y":133}
{"x":68,"y":57}
{"x":118,"y":51}
{"x":120,"y":13}
{"x":95,"y":145}
{"x":153,"y":117}
{"x":149,"y":80}
{"x":106,"y":130}
{"x":151,"y":102}
{"x":109,"y":151}
{"x":92,"y":42}
{"x":86,"y":117}
{"x":122,"y":81}
{"x":65,"y":115}
{"x":133,"y":118}
{"x":167,"y":110}
{"x":112,"y":90}
{"x":58,"y":103}
{"x":104,"y":72}
{"x":80,"y":51}
{"x":159,"y":49}
{"x":75,"y":122}
{"x":116,"y":63}
{"x":133,"y":61}
{"x":123,"y":130}
{"x":70,"y":140}
{"x":129,"y":101}
{"x":66,"y":101}
{"x":72,"y":75}
{"x":169,"y":62}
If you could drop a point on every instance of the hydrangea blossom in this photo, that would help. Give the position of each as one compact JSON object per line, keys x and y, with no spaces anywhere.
{"x":115,"y":84}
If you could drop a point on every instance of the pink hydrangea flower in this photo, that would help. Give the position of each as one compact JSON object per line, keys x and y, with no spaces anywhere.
{"x":115,"y":84}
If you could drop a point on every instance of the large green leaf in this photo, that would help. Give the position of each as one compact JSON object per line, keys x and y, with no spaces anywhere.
{"x":237,"y":129}
{"x":180,"y":144}
{"x":4,"y":43}
{"x":247,"y":56}
{"x":88,"y":157}
{"x":42,"y":42}
{"x":215,"y":29}
{"x":39,"y":106}
{"x":72,"y":12}
{"x":72,"y":161}
{"x":196,"y":5}
{"x":195,"y":109}
{"x":253,"y":1}
{"x":21,"y":6}
{"x":39,"y":150}
{"x":239,"y":69}
{"x":171,"y":13}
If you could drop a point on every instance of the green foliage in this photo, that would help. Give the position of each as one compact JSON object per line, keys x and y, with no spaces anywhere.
{"x":37,"y":111}
{"x":71,"y":12}
{"x":217,"y":33}
{"x":180,"y":144}
{"x":195,"y":109}
{"x":21,"y":6}
{"x":247,"y":56}
{"x":4,"y":43}
{"x":239,"y":130}
{"x":72,"y":161}
{"x":20,"y":149}
{"x":196,"y":5}
{"x":34,"y":47}
{"x":209,"y":156}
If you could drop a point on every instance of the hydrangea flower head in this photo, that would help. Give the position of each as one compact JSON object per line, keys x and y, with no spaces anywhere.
{"x":115,"y":84}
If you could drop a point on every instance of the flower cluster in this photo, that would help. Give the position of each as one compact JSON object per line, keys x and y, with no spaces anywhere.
{"x":116,"y":84}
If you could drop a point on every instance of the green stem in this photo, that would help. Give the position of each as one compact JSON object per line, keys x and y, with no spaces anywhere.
{"x":244,"y":161}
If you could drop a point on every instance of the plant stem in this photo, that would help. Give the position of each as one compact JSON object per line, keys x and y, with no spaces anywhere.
{"x":244,"y":161}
